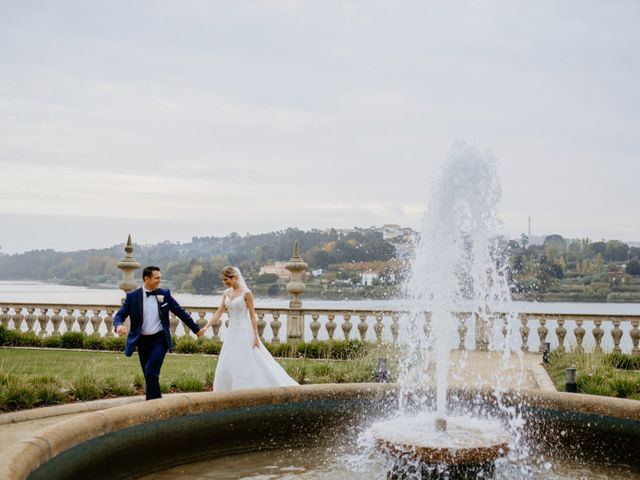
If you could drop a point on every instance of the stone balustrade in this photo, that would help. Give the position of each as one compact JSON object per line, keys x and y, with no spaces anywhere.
{"x":527,"y":331}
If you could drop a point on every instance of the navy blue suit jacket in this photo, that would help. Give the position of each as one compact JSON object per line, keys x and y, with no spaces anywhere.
{"x":132,"y":308}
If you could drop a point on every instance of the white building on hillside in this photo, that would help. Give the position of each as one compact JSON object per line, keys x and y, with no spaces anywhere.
{"x":367,"y":278}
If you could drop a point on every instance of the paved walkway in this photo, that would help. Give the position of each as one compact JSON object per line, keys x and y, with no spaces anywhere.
{"x":471,"y":369}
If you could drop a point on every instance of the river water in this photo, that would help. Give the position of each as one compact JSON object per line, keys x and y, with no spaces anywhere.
{"x":35,"y":292}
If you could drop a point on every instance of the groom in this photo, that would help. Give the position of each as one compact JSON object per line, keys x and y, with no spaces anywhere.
{"x":148,"y":308}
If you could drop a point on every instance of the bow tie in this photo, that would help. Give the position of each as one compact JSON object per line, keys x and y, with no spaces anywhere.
{"x":152,"y":292}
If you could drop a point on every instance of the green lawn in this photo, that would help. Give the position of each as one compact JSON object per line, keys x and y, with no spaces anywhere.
{"x":67,"y":365}
{"x":606,"y":374}
{"x":31,"y":377}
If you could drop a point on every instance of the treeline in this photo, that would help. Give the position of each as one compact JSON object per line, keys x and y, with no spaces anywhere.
{"x":195,"y":266}
{"x":559,"y":269}
{"x":578,"y":269}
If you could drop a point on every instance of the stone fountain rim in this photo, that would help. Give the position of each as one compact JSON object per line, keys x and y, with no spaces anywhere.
{"x":25,"y":456}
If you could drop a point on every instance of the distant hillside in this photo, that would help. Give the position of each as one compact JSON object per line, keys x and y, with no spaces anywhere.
{"x":319,"y":248}
{"x":355,"y":263}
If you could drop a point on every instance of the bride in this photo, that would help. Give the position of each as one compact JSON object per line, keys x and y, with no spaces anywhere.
{"x":244,"y":361}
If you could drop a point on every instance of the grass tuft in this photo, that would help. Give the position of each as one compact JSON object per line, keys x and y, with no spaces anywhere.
{"x":86,"y":388}
{"x":17,"y":396}
{"x":189,"y":384}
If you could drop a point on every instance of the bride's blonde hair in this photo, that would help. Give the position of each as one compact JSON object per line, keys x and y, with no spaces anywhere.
{"x":228,"y":272}
{"x":234,"y":272}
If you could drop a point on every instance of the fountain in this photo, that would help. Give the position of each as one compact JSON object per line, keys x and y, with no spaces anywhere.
{"x":414,"y":429}
{"x":457,"y":266}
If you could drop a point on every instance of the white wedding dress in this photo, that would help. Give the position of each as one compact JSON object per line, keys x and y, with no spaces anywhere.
{"x":240,"y":364}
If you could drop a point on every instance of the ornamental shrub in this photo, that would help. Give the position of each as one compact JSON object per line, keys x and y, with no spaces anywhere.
{"x":28,"y":339}
{"x":72,"y":340}
{"x":115,"y":344}
{"x":185,"y":344}
{"x":209,"y":346}
{"x":52,"y":342}
{"x":93,"y":342}
{"x":9,"y":338}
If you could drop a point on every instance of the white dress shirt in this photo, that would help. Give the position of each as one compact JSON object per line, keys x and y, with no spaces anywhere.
{"x":150,"y":314}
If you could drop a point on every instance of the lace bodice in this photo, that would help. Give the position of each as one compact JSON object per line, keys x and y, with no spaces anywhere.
{"x":237,"y":310}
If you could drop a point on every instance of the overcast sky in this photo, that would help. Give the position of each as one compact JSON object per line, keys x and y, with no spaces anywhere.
{"x":173,"y":119}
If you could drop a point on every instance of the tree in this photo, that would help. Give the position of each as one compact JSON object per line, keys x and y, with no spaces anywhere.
{"x":576,"y":246}
{"x":597,"y":248}
{"x":267,"y":278}
{"x":616,"y":250}
{"x":633,"y":267}
{"x":555,"y":241}
{"x":317,"y":258}
{"x":554,"y":246}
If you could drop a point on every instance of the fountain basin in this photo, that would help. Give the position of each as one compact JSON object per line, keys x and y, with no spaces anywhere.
{"x":129,"y":441}
{"x":465,"y":441}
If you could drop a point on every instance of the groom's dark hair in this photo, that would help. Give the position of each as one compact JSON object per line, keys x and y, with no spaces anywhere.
{"x":148,"y":271}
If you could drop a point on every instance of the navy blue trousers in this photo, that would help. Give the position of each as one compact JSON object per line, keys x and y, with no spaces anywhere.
{"x":152,"y":350}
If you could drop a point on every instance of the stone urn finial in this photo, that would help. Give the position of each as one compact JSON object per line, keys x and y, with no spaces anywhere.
{"x":128,"y":265}
{"x":296,"y":286}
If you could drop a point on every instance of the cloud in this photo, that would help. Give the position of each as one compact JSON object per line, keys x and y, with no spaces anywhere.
{"x":268,"y":114}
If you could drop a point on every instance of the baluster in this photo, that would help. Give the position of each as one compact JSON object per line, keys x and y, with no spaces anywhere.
{"x":331,"y":325}
{"x":275,"y":328}
{"x":43,"y":320}
{"x":426,"y":327}
{"x":378,"y":327}
{"x":362,"y":326}
{"x":30,"y":319}
{"x":346,"y":325}
{"x":215,"y":326}
{"x":579,"y":332}
{"x":261,"y":325}
{"x":543,"y":331}
{"x":561,"y":332}
{"x":69,"y":319}
{"x":17,"y":318}
{"x":173,"y":324}
{"x":4,"y":317}
{"x":315,"y":326}
{"x":482,"y":329}
{"x":635,"y":336}
{"x":524,"y":333}
{"x":108,"y":322}
{"x":56,"y":320}
{"x":462,"y":331}
{"x":201,"y":319}
{"x":95,"y":320}
{"x":83,"y":319}
{"x":616,"y":334}
{"x":395,"y":328}
{"x":598,"y":333}
{"x":505,"y":327}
